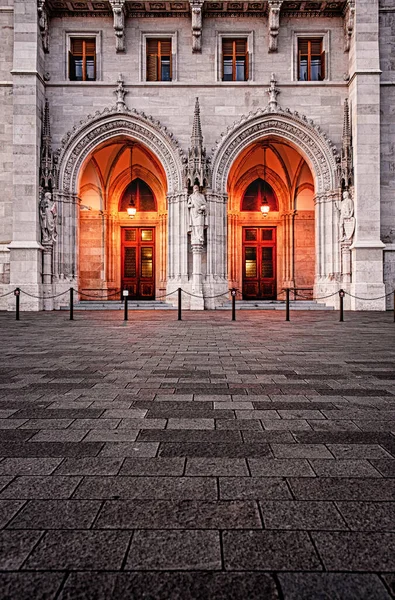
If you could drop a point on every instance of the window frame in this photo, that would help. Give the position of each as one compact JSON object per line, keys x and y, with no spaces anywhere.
{"x":324,"y":35}
{"x":70,"y":35}
{"x":144,"y":37}
{"x":221,"y":35}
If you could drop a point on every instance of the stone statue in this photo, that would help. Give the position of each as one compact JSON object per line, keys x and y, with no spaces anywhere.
{"x":197,"y":215}
{"x":346,"y":217}
{"x":48,"y":216}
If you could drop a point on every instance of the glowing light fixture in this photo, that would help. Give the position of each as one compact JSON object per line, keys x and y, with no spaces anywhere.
{"x":131,"y":209}
{"x":265,"y":208}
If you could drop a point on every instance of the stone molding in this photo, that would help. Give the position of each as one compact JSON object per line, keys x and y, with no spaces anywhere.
{"x":319,"y":152}
{"x":101,"y":127}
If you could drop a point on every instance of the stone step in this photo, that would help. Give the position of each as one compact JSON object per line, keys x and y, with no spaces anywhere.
{"x":117,"y":305}
{"x":275,"y":305}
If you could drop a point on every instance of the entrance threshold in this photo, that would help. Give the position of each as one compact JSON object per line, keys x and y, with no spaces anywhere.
{"x":275,"y":305}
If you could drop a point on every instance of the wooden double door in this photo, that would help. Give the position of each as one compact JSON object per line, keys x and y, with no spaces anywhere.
{"x":138,"y":262}
{"x":259,"y":263}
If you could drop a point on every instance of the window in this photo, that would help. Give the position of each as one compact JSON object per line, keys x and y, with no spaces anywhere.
{"x":139,"y":195}
{"x":234,"y":59}
{"x":82,"y":59}
{"x":311,"y":59}
{"x":255,"y":194}
{"x":159,"y":59}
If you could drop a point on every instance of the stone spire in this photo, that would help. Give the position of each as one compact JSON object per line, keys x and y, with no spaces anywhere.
{"x":47,"y":163}
{"x":197,"y":169}
{"x":273,"y":92}
{"x":346,"y":170}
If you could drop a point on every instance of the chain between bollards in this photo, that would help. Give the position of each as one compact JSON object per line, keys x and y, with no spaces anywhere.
{"x":17,"y":294}
{"x":71,"y":304}
{"x":125,"y":294}
{"x":179,"y":306}
{"x":233,"y":293}
{"x":342,"y":293}
{"x":287,"y":291}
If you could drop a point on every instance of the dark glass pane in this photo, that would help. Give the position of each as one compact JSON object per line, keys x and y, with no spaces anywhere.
{"x":315,"y":68}
{"x":250,"y":262}
{"x":255,"y":194}
{"x":250,"y":235}
{"x":130,"y":235}
{"x":90,"y":68}
{"x":267,"y":235}
{"x":146,"y":235}
{"x":228,"y":62}
{"x":165,"y":68}
{"x":78,"y":69}
{"x":267,"y":262}
{"x":140,"y":195}
{"x":130,"y":262}
{"x":303,"y":68}
{"x":240,"y":68}
{"x":146,"y":262}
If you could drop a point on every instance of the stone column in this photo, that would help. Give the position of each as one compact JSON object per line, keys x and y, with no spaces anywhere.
{"x":288,"y":234}
{"x":327,"y":248}
{"x":196,"y":301}
{"x":28,"y":98}
{"x":364,"y":91}
{"x":216,"y":282}
{"x":65,"y":251}
{"x":177,"y":259}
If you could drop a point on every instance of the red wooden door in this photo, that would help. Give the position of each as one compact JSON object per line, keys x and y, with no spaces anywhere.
{"x":259,"y":263}
{"x":138,"y":262}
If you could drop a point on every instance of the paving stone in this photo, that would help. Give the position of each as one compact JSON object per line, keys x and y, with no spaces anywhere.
{"x":229,"y":424}
{"x":356,"y":551}
{"x":29,"y":466}
{"x":26,"y":487}
{"x":155,"y":488}
{"x":46,"y":424}
{"x":261,"y":437}
{"x":153,"y":466}
{"x":231,"y":450}
{"x":243,"y":488}
{"x":357,"y":451}
{"x":124,"y":449}
{"x":368,"y":516}
{"x":79,"y":550}
{"x":190,"y":435}
{"x":214,"y":467}
{"x":59,"y":435}
{"x":343,"y":489}
{"x":269,"y":551}
{"x":136,"y":424}
{"x":8,"y":509}
{"x":301,"y":515}
{"x":36,"y":413}
{"x":25,"y":586}
{"x":56,"y":514}
{"x":269,"y":467}
{"x":389,"y":580}
{"x":300,"y":451}
{"x":176,"y":514}
{"x":90,"y":466}
{"x":113,"y":435}
{"x":344,"y":468}
{"x":345,"y":586}
{"x":50,"y":449}
{"x":385,"y":466}
{"x":15,"y":547}
{"x":95,"y":424}
{"x":175,"y":550}
{"x":288,"y":425}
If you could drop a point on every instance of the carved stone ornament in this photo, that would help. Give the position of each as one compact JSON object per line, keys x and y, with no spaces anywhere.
{"x":346,"y":216}
{"x":349,"y":19}
{"x":78,"y":143}
{"x":43,"y":23}
{"x":120,"y":93}
{"x":301,"y":133}
{"x":197,"y":216}
{"x":197,"y":24}
{"x":197,"y":168}
{"x":48,"y":217}
{"x":273,"y":92}
{"x":346,"y":174}
{"x":118,"y":9}
{"x":274,"y":23}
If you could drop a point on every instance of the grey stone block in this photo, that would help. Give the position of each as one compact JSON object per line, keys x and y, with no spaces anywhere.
{"x":56,"y":514}
{"x":344,"y":468}
{"x":29,"y":466}
{"x":25,"y":586}
{"x":315,"y":586}
{"x":15,"y":547}
{"x":214,"y":467}
{"x":285,"y":467}
{"x":343,"y":489}
{"x":8,"y":509}
{"x":26,"y":487}
{"x":301,"y":515}
{"x":153,"y":466}
{"x":243,"y":488}
{"x":90,"y":466}
{"x":368,"y":516}
{"x":356,"y":551}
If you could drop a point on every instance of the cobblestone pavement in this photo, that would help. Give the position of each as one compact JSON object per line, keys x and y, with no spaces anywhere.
{"x":201,"y":459}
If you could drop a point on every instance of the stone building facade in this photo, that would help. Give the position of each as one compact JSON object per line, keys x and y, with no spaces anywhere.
{"x":281,"y":112}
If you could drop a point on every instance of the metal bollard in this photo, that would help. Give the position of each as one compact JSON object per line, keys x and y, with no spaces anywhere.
{"x":71,"y":304}
{"x":179,"y":306}
{"x":125,"y":294}
{"x":233,"y":292}
{"x":341,"y":296}
{"x":17,"y":294}
{"x":287,"y":291}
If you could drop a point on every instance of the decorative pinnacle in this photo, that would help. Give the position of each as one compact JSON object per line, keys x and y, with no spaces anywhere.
{"x":346,"y":122}
{"x":46,"y":131}
{"x":197,"y":136}
{"x":120,"y":93}
{"x":273,"y":92}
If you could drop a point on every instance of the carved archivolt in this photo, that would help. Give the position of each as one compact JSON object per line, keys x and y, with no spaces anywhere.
{"x":316,"y":148}
{"x":102,"y":127}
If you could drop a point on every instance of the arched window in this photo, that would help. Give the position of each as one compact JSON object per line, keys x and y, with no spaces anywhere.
{"x":254,"y":196}
{"x":139,"y":195}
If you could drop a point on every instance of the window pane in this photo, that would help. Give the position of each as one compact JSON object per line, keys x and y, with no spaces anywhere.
{"x":146,"y":235}
{"x":130,"y":262}
{"x":316,"y":68}
{"x":250,"y":235}
{"x":228,"y":75}
{"x":240,"y":68}
{"x":250,"y":262}
{"x":90,"y":68}
{"x":146,"y":262}
{"x":78,"y":69}
{"x":130,"y":235}
{"x":267,"y":262}
{"x":267,"y":235}
{"x":165,"y":68}
{"x":303,"y":68}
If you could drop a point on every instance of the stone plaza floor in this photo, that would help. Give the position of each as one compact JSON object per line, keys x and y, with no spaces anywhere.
{"x":201,"y":459}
